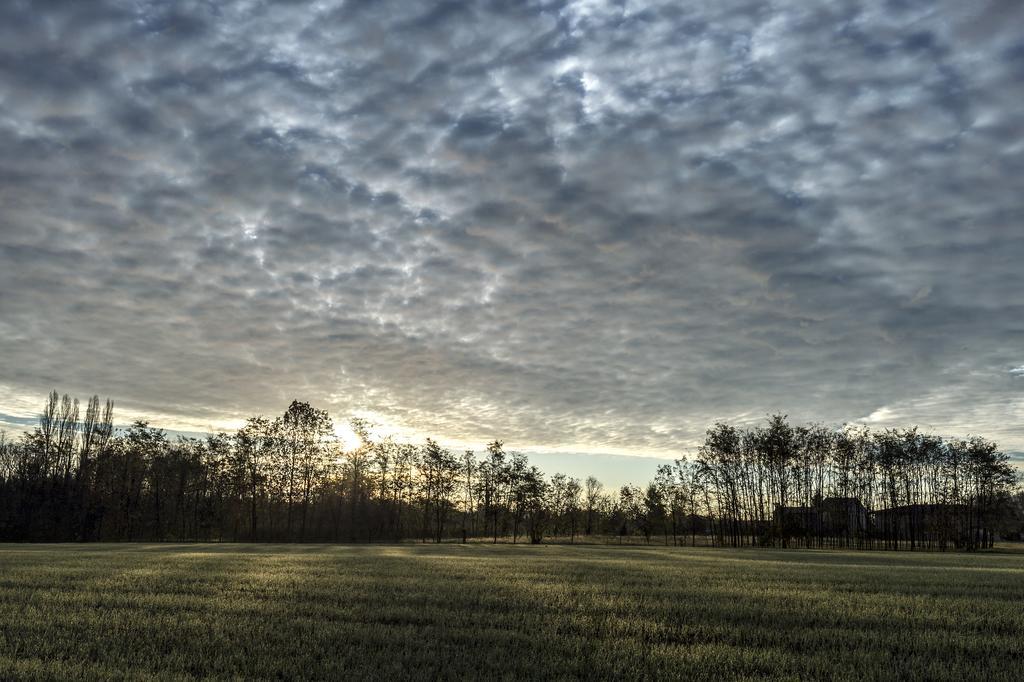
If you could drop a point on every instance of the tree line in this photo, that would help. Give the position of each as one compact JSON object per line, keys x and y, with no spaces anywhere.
{"x":76,"y":477}
{"x":815,"y":486}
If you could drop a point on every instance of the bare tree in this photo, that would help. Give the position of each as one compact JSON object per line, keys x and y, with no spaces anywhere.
{"x":573,"y":489}
{"x":592,"y":497}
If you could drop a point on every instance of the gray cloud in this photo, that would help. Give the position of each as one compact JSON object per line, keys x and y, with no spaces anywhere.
{"x":570,"y":224}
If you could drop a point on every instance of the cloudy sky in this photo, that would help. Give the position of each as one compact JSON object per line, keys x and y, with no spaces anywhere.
{"x":579,"y":226}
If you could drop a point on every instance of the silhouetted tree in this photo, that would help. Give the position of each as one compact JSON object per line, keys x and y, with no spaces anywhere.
{"x":75,"y":478}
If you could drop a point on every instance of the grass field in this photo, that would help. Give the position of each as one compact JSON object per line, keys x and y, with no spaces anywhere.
{"x":504,"y":612}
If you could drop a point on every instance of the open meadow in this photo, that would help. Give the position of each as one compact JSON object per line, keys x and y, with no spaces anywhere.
{"x":505,"y":612}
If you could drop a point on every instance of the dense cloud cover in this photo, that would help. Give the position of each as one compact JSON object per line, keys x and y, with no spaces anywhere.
{"x":582,"y":225}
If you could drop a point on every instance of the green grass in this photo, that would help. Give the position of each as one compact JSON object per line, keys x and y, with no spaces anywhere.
{"x":504,"y":612}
